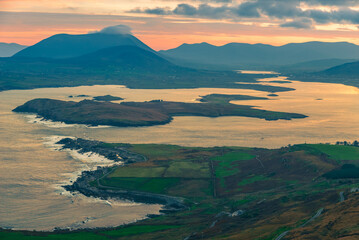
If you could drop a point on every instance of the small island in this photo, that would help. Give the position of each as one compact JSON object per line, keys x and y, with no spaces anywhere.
{"x":79,"y":96}
{"x":131,"y":114}
{"x":107,"y":98}
{"x":224,"y":98}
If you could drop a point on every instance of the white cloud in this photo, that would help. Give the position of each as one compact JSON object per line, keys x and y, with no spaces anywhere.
{"x":118,"y":29}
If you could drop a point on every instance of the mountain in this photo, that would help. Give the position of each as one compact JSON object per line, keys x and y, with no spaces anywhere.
{"x":69,"y":46}
{"x":131,"y":60}
{"x":239,"y":55}
{"x":312,"y":66}
{"x":9,"y":49}
{"x":124,"y":58}
{"x":347,"y":74}
{"x":347,"y":69}
{"x":121,"y":65}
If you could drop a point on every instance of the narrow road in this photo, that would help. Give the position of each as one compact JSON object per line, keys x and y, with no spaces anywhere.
{"x":318,"y":213}
{"x":282,"y":235}
{"x":341,"y":195}
{"x":257,"y":157}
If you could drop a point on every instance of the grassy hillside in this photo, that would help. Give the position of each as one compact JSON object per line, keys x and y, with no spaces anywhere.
{"x":233,"y":193}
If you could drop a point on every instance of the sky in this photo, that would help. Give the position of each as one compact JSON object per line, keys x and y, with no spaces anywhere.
{"x":164,"y":24}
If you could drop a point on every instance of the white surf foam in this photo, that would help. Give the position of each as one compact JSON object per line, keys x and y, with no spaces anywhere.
{"x":34,"y":118}
{"x":88,"y":161}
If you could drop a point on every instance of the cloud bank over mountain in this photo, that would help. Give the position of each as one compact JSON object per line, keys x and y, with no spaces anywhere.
{"x":118,"y":29}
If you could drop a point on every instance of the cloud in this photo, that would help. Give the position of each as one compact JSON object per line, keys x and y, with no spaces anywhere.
{"x":331,"y":2}
{"x":215,"y":1}
{"x":287,"y":11}
{"x":304,"y":23}
{"x":118,"y":29}
{"x":248,"y":9}
{"x":185,"y":9}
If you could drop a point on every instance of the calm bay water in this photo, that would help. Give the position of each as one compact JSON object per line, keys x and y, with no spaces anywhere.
{"x":31,"y":171}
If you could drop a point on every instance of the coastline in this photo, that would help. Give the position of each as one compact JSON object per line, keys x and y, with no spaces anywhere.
{"x":119,"y":156}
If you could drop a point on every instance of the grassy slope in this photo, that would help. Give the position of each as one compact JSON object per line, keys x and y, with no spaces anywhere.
{"x":280,"y":196}
{"x":340,"y":221}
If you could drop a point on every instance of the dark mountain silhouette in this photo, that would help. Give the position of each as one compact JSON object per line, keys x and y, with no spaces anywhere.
{"x":9,"y":49}
{"x":125,"y":65}
{"x":347,"y":73}
{"x":69,"y":46}
{"x":312,"y":66}
{"x":122,"y":58}
{"x":347,"y":69}
{"x":234,"y":55}
{"x":112,"y":60}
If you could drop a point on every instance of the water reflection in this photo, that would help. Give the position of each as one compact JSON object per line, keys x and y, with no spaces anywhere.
{"x":29,"y":170}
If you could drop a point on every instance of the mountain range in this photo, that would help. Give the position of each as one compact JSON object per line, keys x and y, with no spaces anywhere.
{"x":103,"y":58}
{"x":121,"y":58}
{"x":9,"y":49}
{"x":234,"y":56}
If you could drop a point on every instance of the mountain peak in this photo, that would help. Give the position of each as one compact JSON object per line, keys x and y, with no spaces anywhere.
{"x":69,"y":46}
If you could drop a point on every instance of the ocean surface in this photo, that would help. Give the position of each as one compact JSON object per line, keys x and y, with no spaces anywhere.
{"x":32,"y":169}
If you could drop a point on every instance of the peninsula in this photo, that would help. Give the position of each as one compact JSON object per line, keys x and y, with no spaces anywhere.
{"x":156,"y":112}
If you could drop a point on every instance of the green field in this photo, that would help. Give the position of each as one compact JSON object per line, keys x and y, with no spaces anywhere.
{"x":227,"y":164}
{"x":153,"y":185}
{"x":139,"y":172}
{"x":138,"y":230}
{"x":338,"y":152}
{"x":103,"y":235}
{"x":156,"y":150}
{"x":188,"y":169}
{"x":68,"y":236}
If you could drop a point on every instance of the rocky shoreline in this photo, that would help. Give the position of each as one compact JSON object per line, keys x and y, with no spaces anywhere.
{"x":89,"y":185}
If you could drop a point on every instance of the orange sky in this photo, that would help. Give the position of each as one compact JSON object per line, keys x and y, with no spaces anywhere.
{"x":29,"y":21}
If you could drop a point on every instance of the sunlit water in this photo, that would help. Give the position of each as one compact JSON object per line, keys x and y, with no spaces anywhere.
{"x":256,"y":72}
{"x":32,"y":171}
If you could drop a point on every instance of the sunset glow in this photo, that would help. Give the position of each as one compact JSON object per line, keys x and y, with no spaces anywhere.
{"x":164,"y":24}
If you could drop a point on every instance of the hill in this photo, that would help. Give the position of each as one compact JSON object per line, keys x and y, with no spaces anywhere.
{"x":125,"y":65}
{"x":224,"y":192}
{"x":9,"y":49}
{"x":312,"y":66}
{"x":347,"y":69}
{"x":69,"y":46}
{"x":243,"y":55}
{"x":340,"y":221}
{"x":347,"y":73}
